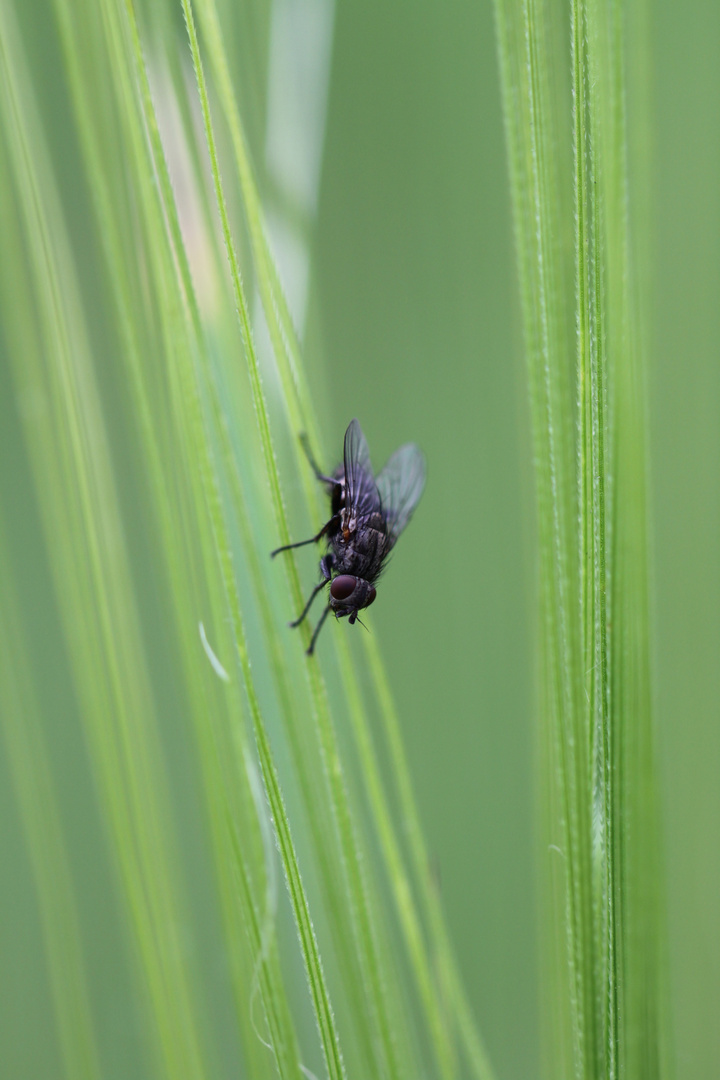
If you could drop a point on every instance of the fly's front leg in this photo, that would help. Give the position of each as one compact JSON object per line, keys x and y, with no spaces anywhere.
{"x":307,"y":607}
{"x":318,"y":628}
{"x":326,"y":564}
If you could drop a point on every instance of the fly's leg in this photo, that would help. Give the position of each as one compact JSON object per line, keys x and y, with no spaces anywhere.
{"x":332,"y":523}
{"x":326,"y":569}
{"x":326,"y":565}
{"x":314,"y":465}
{"x":318,"y":628}
{"x":290,"y":547}
{"x":307,"y":607}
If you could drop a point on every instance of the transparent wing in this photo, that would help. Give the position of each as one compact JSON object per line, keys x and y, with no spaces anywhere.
{"x":361,"y":493}
{"x":401,"y":484}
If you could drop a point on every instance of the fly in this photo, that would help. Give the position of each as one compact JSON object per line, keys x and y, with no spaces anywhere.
{"x":367,"y":515}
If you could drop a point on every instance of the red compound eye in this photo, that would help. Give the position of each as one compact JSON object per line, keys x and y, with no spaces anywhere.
{"x":343,"y":587}
{"x":371,"y":596}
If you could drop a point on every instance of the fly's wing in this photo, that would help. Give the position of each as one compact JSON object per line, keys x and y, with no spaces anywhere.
{"x":400,"y":485}
{"x":361,"y":493}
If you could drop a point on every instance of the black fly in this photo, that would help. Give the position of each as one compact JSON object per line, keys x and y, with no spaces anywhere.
{"x":368,"y":513}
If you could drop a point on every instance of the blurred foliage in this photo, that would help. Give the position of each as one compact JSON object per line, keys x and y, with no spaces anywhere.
{"x":413,"y":325}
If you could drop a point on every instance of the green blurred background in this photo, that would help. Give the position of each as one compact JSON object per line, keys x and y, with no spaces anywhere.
{"x":413,"y":326}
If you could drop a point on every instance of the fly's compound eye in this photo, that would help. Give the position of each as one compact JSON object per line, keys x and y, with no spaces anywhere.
{"x":343,"y":587}
{"x":371,"y":596}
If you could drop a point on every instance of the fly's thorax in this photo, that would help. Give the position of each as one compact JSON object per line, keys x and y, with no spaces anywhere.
{"x":356,"y":525}
{"x":360,"y":552}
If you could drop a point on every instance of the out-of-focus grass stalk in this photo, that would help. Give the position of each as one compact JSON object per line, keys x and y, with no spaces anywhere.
{"x":89,"y":561}
{"x":27,"y":753}
{"x":231,"y":859}
{"x":84,"y":535}
{"x":568,"y":130}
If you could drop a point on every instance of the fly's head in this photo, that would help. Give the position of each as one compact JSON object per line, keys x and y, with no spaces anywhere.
{"x":349,"y":594}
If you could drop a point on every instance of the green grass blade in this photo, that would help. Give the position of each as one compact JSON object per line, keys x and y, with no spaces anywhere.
{"x":439,"y":1008}
{"x":141,"y":879}
{"x":316,"y":980}
{"x":595,"y":691}
{"x":235,"y":872}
